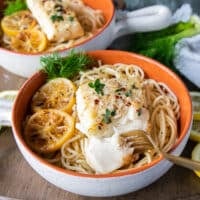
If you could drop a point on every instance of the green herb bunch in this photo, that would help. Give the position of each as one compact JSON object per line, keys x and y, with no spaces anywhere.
{"x":108,"y":115}
{"x":68,"y":67}
{"x":98,"y":86}
{"x":160,"y":45}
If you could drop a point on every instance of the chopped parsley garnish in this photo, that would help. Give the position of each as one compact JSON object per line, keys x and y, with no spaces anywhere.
{"x":97,"y":86}
{"x":139,"y":111}
{"x":120,"y":89}
{"x":56,"y":17}
{"x":71,"y":19}
{"x":128,"y":93}
{"x":108,"y":115}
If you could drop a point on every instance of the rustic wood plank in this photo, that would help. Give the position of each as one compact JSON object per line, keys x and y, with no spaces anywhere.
{"x":19,"y":180}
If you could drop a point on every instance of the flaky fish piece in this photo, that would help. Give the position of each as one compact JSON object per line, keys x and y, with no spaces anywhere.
{"x":57,"y":21}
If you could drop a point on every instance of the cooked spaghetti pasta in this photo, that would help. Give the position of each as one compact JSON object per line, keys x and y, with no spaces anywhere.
{"x":160,"y":101}
{"x":73,"y":154}
{"x":120,"y":105}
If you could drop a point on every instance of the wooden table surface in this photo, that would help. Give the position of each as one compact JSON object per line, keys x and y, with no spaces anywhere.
{"x":19,"y":180}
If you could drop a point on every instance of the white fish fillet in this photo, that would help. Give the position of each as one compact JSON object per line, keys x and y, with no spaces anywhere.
{"x":57,"y":21}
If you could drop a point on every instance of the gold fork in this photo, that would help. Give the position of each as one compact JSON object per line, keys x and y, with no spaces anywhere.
{"x":139,"y":139}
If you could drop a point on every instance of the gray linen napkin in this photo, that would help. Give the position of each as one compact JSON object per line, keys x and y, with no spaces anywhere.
{"x":187,"y":60}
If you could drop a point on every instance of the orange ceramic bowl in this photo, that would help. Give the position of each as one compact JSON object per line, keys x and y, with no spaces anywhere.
{"x":152,"y":18}
{"x":114,"y":183}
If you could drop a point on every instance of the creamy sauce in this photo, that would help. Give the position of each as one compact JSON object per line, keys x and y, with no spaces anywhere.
{"x":59,"y":25}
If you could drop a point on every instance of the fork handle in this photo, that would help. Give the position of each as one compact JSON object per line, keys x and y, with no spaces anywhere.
{"x":184,"y":162}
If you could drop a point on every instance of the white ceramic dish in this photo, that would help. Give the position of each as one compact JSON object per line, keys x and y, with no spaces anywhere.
{"x":111,"y":184}
{"x":146,"y":19}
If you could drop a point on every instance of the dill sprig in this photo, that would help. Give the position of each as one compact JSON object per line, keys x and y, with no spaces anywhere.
{"x":69,"y":66}
{"x":14,"y":6}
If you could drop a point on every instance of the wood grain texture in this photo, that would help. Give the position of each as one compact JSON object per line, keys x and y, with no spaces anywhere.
{"x":19,"y":180}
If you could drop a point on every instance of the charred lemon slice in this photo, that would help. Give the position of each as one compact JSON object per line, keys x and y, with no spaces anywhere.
{"x":46,"y":130}
{"x":58,"y":93}
{"x":17,"y":22}
{"x":29,"y":41}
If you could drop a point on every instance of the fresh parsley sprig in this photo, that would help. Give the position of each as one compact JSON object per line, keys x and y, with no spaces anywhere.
{"x":98,"y":86}
{"x":57,"y":17}
{"x":69,"y":66}
{"x":14,"y":6}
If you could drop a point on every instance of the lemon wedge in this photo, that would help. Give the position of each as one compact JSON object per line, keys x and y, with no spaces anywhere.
{"x":8,"y":94}
{"x":6,"y":100}
{"x":196,"y":156}
{"x":195,"y":131}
